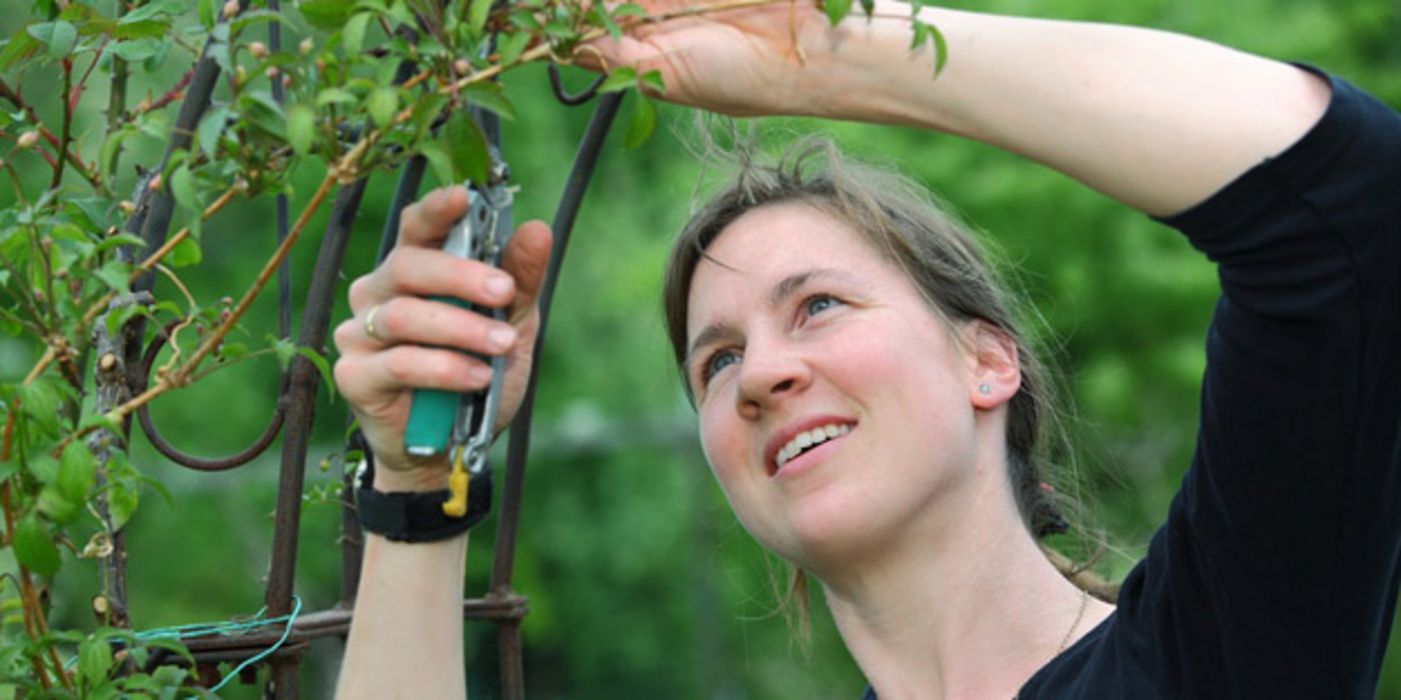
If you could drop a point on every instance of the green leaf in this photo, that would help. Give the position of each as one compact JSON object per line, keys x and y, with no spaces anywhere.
{"x":301,"y":127}
{"x":467,"y":147}
{"x":56,"y":507}
{"x":653,"y":79}
{"x":285,"y":351}
{"x":44,"y":468}
{"x":34,"y":547}
{"x":941,"y":49}
{"x":353,"y":36}
{"x":182,"y":185}
{"x":477,"y":13}
{"x":77,"y":472}
{"x":493,"y":97}
{"x":148,"y":29}
{"x":211,"y":127}
{"x":40,"y":399}
{"x":21,"y":47}
{"x":137,"y":50}
{"x":438,"y":160}
{"x":382,"y":104}
{"x":263,"y":113}
{"x":836,"y":10}
{"x":868,"y":7}
{"x":509,"y":50}
{"x":114,"y":274}
{"x":153,"y":10}
{"x":620,"y":79}
{"x":59,"y":36}
{"x":208,"y":13}
{"x":326,"y":15}
{"x":122,"y":501}
{"x":334,"y":95}
{"x":94,"y":660}
{"x":629,"y":10}
{"x":642,"y":124}
{"x":184,"y":253}
{"x":321,"y":366}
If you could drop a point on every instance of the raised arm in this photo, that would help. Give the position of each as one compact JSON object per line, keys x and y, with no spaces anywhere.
{"x":406,"y":637}
{"x":1156,"y":120}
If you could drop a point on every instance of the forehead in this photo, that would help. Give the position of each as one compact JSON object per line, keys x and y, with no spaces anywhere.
{"x":767,"y":245}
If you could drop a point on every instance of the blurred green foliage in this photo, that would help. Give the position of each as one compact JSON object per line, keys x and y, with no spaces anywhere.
{"x":641,"y":584}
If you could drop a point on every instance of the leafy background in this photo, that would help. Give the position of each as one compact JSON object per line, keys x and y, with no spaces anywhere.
{"x":641,"y":583}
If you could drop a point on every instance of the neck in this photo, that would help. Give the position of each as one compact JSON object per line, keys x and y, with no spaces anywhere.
{"x":963,"y":606}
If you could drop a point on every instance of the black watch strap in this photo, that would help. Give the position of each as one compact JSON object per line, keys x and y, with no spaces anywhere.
{"x":417,"y":516}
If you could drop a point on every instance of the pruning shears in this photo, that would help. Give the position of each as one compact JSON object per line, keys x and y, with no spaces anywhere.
{"x":462,"y":424}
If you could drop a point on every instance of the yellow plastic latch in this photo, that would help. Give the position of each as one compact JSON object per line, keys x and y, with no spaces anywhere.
{"x":456,"y":505}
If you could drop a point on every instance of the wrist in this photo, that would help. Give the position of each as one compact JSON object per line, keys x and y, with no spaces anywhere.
{"x":427,"y":475}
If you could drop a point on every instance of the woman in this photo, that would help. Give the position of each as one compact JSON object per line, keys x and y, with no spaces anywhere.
{"x":1275,"y":573}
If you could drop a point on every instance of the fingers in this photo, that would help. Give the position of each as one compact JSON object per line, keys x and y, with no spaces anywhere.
{"x":425,"y":223}
{"x":411,"y":320}
{"x":526,"y":259}
{"x":365,"y":378}
{"x":428,"y":273}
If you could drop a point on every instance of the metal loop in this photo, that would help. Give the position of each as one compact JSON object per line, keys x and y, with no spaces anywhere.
{"x":577,"y":99}
{"x":203,"y":464}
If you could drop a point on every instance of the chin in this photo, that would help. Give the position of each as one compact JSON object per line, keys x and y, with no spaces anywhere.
{"x":828,"y":528}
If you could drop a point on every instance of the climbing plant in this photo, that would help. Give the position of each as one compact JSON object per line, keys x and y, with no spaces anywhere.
{"x":234,"y":96}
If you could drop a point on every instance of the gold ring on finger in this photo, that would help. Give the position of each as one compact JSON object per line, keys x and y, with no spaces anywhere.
{"x":370,"y":324}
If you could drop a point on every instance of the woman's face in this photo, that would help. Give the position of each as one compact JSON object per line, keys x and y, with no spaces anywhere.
{"x":835,"y":407}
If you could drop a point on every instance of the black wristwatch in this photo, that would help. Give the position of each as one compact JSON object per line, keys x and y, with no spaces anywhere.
{"x":417,"y":516}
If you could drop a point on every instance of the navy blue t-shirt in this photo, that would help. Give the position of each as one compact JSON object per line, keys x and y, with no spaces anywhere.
{"x":1275,"y":575}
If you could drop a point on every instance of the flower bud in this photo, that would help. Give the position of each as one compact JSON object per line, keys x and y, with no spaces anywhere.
{"x":462,"y":66}
{"x":258,"y":49}
{"x":230,"y":8}
{"x":271,"y":72}
{"x":127,"y":206}
{"x":306,"y":46}
{"x":27,"y":139}
{"x":155,"y":183}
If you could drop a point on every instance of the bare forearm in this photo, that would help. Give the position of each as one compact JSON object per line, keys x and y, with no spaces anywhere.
{"x":1157,"y":120}
{"x":406,"y":637}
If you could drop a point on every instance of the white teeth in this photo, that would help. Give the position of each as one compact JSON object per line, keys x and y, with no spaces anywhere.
{"x":807,"y":439}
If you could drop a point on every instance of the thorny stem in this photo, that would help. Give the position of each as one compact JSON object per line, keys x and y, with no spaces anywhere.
{"x":95,"y":310}
{"x":66,"y":123}
{"x":182,"y":376}
{"x":89,"y":174}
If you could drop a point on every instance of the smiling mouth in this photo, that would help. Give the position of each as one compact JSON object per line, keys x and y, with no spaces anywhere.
{"x":808,"y":439}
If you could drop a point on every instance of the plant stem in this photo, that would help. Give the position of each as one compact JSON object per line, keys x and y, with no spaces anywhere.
{"x":25,"y":585}
{"x":182,"y":376}
{"x":95,"y":310}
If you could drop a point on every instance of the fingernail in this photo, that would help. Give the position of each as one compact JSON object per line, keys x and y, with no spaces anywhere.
{"x":498,"y":284}
{"x":501,"y":338}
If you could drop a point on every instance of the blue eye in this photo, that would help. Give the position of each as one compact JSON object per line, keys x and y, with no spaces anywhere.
{"x":819,"y":303}
{"x":718,"y":361}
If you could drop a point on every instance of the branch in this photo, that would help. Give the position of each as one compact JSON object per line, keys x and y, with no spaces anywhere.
{"x":95,"y":310}
{"x":89,"y":174}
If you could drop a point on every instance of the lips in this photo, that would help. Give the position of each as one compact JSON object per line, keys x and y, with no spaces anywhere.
{"x":801,"y":436}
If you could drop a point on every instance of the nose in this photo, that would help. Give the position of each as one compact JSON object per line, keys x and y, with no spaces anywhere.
{"x":770,"y":373}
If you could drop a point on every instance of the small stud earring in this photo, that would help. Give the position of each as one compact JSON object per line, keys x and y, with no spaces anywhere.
{"x":984,"y":389}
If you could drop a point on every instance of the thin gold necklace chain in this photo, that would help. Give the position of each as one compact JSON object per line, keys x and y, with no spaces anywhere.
{"x":1065,"y":642}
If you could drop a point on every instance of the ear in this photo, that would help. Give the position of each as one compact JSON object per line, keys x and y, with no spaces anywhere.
{"x":993,"y":365}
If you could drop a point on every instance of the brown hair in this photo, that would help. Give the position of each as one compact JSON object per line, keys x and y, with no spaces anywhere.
{"x":939,"y":255}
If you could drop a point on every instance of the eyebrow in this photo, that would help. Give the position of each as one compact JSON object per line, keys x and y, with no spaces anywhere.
{"x":780,"y":293}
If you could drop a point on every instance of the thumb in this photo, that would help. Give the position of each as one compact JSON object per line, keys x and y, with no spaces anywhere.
{"x":526,"y":258}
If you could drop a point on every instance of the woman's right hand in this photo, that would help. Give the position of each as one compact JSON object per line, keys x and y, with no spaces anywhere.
{"x":399,"y":339}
